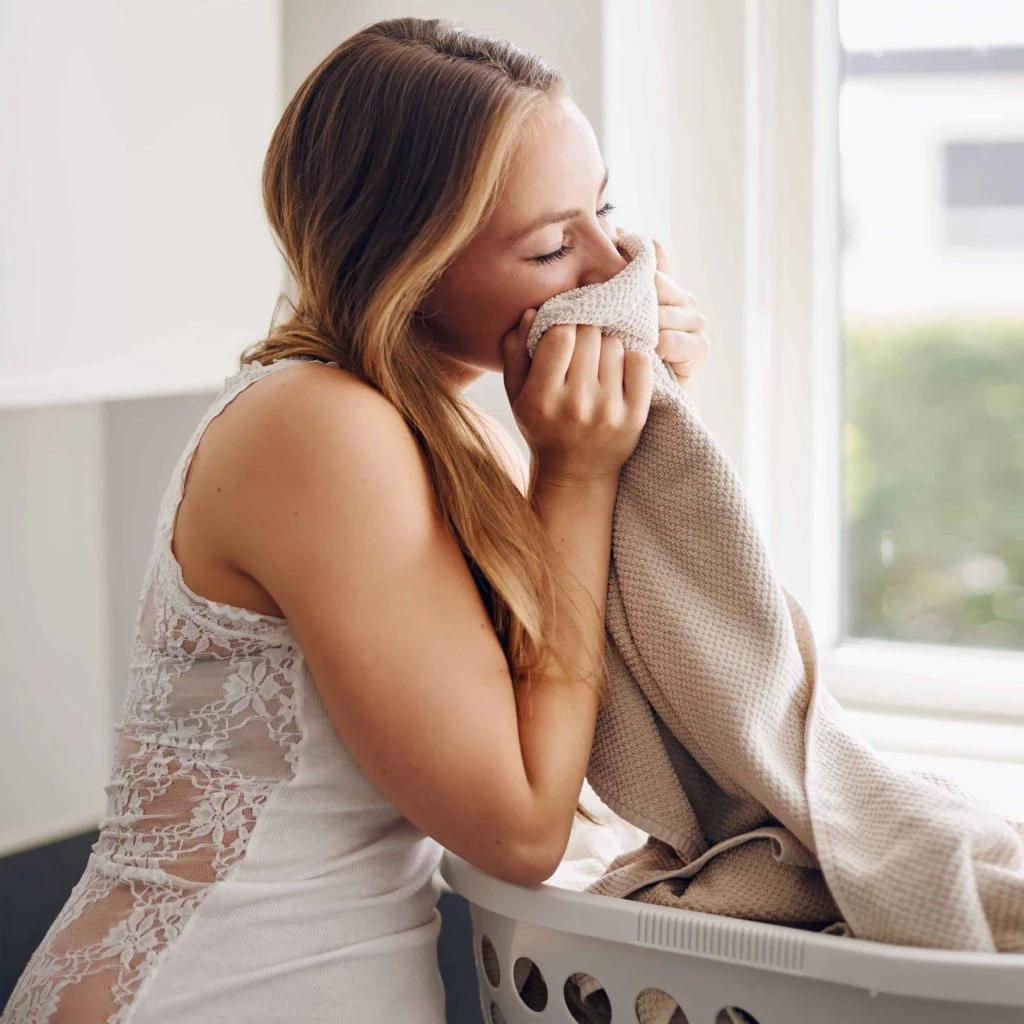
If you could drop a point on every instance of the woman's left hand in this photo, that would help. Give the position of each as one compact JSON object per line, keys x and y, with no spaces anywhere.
{"x":682,"y":342}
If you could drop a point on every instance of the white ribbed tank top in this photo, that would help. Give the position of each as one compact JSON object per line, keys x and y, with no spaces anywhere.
{"x":247,"y":869}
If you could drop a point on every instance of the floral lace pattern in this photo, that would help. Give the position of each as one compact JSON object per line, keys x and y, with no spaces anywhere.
{"x":209,"y":729}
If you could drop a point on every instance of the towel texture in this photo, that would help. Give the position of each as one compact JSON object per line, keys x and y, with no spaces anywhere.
{"x":759,"y":799}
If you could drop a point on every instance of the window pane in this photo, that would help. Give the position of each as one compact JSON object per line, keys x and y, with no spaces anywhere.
{"x":931,"y":135}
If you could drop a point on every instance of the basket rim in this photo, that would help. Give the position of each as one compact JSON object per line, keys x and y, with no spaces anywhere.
{"x":951,"y":975}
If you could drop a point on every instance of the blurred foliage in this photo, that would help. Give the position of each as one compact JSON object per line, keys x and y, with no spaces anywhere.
{"x":933,"y":484}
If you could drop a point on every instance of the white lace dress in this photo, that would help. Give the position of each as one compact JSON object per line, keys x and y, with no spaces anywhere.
{"x":246,"y":869}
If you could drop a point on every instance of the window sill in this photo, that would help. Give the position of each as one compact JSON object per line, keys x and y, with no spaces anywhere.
{"x":985,"y":757}
{"x":927,"y":681}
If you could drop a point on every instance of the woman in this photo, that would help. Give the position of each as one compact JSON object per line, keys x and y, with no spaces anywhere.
{"x":367,"y":630}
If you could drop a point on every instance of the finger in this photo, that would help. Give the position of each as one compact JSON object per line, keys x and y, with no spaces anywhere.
{"x":682,"y":346}
{"x":637,"y":381}
{"x":686,"y":353}
{"x":680,"y":318}
{"x":673,"y":346}
{"x":612,"y":357}
{"x":552,"y":357}
{"x":515,"y":355}
{"x":662,"y":257}
{"x":586,"y":357}
{"x":671,"y":293}
{"x":700,"y":350}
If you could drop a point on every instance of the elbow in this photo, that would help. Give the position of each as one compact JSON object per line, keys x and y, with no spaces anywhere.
{"x":528,"y":873}
{"x":525,"y":852}
{"x":533,"y":865}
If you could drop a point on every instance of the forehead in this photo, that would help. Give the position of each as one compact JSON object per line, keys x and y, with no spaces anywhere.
{"x":557,"y":163}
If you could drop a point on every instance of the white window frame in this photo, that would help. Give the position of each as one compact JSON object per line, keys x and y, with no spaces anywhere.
{"x":911,"y":697}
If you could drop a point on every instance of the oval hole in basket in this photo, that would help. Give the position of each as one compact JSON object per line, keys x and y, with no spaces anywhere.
{"x":735,"y":1015}
{"x":530,"y":983}
{"x":497,"y":1017}
{"x":657,"y":1004}
{"x":489,"y":957}
{"x":595,"y":1009}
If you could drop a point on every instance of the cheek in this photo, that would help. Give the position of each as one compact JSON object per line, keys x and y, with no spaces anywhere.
{"x":478,"y":319}
{"x":496,"y":302}
{"x":483,"y":302}
{"x":535,"y":283}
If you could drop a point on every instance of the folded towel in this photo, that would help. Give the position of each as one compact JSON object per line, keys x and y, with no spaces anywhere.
{"x":759,"y":798}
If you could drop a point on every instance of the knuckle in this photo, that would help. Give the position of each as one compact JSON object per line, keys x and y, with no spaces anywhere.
{"x":576,"y":407}
{"x":529,"y":404}
{"x":563,"y":334}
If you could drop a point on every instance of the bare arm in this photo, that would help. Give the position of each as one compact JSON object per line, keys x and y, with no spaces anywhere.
{"x":333,"y":514}
{"x":557,"y":716}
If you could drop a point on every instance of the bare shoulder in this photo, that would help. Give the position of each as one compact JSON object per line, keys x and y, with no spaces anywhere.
{"x":259,"y":455}
{"x":295,"y":420}
{"x":311,"y":397}
{"x":313,"y":426}
{"x":296,"y":393}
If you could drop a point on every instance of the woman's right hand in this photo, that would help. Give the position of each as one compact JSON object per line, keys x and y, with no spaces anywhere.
{"x":580,"y":403}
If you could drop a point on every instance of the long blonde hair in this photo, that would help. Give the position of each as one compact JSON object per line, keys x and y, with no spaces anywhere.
{"x":385,"y":163}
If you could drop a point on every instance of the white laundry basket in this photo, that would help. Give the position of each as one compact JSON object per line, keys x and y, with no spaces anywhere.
{"x":776,"y":974}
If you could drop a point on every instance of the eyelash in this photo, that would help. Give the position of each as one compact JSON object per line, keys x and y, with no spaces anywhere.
{"x":566,"y":249}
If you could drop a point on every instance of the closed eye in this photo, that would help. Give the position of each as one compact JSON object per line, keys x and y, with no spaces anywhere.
{"x":558,"y":254}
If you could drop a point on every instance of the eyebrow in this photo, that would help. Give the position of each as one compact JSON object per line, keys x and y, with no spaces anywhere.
{"x":556,"y":217}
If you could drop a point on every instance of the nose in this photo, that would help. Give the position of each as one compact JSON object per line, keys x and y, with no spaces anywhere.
{"x":606,"y":262}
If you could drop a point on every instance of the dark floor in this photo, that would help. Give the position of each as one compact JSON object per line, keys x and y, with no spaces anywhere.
{"x":34,"y":885}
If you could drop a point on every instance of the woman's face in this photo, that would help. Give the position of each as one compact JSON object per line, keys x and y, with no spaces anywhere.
{"x":552,"y":203}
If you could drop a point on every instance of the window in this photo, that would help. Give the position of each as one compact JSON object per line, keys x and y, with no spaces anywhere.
{"x":984,"y":193}
{"x":931,"y":167}
{"x":866,"y":380}
{"x":893,"y":419}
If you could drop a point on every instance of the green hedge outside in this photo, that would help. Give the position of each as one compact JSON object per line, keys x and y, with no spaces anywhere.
{"x":933,"y":482}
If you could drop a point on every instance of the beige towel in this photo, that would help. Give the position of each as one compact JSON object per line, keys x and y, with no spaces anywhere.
{"x":759,"y":798}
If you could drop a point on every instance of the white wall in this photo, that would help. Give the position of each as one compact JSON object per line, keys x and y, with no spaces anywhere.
{"x":134,"y":257}
{"x":54,"y":725}
{"x":142,"y":441}
{"x":129,"y":188}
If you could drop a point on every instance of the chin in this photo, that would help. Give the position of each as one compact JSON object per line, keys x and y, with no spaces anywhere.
{"x":483,"y":362}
